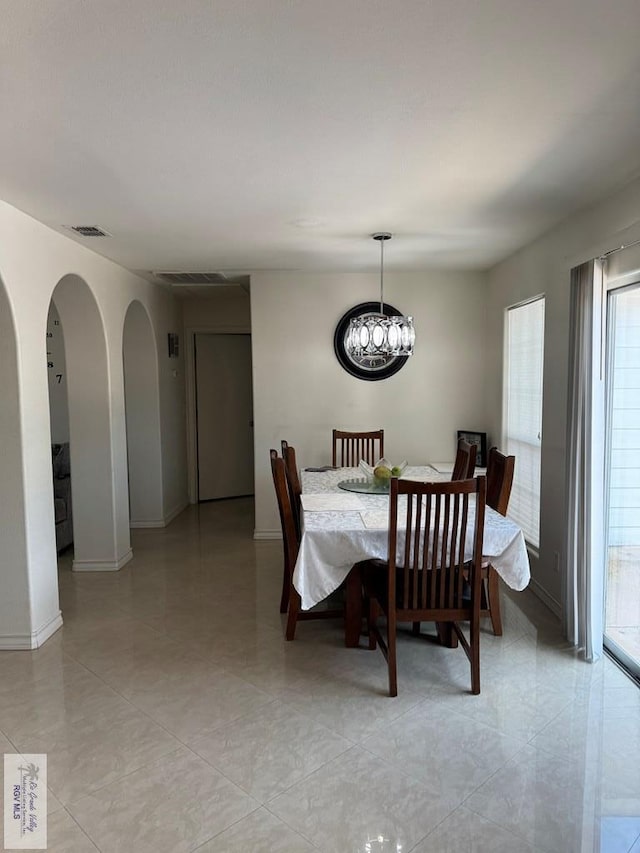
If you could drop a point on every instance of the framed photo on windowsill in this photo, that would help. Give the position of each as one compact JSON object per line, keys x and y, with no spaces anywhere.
{"x":478,"y":438}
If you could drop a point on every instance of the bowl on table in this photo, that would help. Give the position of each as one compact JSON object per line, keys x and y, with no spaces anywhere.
{"x":382,"y":472}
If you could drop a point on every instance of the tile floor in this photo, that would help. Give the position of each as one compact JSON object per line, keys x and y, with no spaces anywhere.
{"x":176,"y":718}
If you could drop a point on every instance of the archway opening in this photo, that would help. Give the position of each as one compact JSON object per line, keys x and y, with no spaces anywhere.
{"x":98,"y":489}
{"x":59,"y":421}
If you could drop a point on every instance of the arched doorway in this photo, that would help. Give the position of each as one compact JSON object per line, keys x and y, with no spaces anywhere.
{"x":98,"y":474}
{"x":59,"y":424}
{"x":142,"y":410}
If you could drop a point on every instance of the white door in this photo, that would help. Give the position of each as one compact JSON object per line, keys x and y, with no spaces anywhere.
{"x":224,"y":414}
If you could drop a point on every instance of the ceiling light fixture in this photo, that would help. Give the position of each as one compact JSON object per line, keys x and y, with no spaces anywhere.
{"x":377,"y":334}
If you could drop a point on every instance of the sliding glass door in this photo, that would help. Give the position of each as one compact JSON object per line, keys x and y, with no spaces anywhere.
{"x":622,"y":607}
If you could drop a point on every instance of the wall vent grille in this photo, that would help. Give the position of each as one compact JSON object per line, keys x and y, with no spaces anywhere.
{"x":199,"y":278}
{"x":88,"y":230}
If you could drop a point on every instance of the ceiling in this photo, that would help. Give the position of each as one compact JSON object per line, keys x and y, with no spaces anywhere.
{"x":242,"y":135}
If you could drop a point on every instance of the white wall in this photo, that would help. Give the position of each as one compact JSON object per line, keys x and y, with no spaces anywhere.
{"x":544,"y":267}
{"x":165,"y":312}
{"x":223,"y":307}
{"x":14,"y":585}
{"x":33,"y":259}
{"x":301,"y":392}
{"x":140,"y":360}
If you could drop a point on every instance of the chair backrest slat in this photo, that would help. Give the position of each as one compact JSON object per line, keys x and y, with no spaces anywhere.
{"x":354,"y":446}
{"x":461,"y":544}
{"x":416,"y":561}
{"x":425,"y":555}
{"x":456,"y":528}
{"x":433,"y":560}
{"x":442,"y":550}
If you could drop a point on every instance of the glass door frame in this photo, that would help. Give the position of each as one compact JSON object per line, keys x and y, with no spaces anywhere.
{"x":627,"y":282}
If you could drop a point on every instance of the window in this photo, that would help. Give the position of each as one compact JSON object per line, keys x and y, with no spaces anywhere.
{"x":523,"y":412}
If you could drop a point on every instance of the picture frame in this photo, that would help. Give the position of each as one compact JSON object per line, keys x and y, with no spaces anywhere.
{"x":174,"y":344}
{"x":479,"y":439}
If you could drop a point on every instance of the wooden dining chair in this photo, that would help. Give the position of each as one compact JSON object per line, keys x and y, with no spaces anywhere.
{"x":291,"y":544}
{"x":354,"y":446}
{"x":293,"y":482}
{"x":465,"y":464}
{"x":427,"y":576}
{"x":500,"y":470}
{"x":463,"y":469}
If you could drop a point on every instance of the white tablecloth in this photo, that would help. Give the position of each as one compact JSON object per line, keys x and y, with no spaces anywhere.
{"x":334,"y":539}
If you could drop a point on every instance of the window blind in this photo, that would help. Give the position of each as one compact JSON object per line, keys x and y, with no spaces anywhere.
{"x":523,"y":400}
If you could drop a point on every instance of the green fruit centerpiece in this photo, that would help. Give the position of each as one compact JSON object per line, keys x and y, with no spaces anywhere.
{"x":381,"y":475}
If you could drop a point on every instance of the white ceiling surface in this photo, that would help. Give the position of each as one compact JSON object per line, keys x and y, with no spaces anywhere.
{"x":278,"y":134}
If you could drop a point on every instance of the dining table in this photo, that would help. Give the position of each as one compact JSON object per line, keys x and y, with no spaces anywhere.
{"x":344,"y":523}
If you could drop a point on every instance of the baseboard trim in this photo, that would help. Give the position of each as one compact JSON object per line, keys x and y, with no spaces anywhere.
{"x":159,"y":522}
{"x":267,"y":534}
{"x":175,"y":512}
{"x":101,"y":565}
{"x":25,"y":642}
{"x":548,"y":600}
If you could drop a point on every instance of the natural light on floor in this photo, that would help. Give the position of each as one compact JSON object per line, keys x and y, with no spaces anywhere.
{"x":623,"y":599}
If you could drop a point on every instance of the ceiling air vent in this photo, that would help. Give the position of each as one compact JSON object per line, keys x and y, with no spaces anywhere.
{"x":200,"y":278}
{"x":88,"y":230}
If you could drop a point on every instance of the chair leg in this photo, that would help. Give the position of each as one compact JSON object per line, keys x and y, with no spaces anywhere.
{"x":493,"y":594}
{"x":446,"y":635}
{"x":474,"y":643}
{"x":292,"y":617}
{"x":372,"y":614}
{"x":353,"y":607}
{"x":284,"y":598}
{"x":484,"y":594}
{"x":415,"y":629}
{"x":391,"y":654}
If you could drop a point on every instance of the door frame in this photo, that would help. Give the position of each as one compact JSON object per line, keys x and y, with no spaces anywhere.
{"x":620,"y":283}
{"x":190,"y":382}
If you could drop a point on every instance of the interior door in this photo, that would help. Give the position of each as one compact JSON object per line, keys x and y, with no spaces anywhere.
{"x":224,"y":415}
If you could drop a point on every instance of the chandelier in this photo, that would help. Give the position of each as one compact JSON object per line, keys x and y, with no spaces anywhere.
{"x":377,"y":334}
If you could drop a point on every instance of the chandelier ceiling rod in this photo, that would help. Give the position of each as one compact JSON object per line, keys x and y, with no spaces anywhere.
{"x":374,"y":335}
{"x":382,"y":236}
